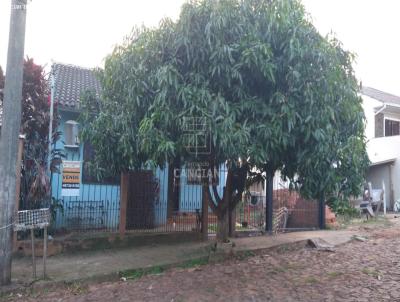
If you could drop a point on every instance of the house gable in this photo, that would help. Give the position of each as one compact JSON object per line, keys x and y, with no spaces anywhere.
{"x":382,"y":112}
{"x":70,"y":82}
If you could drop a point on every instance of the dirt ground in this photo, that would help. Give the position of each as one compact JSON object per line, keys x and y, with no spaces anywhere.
{"x":358,"y":271}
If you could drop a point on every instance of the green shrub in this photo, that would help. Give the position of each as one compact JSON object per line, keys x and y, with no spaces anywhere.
{"x":342,"y":207}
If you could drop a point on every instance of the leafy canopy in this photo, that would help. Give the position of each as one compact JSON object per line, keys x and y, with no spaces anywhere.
{"x":274,"y":91}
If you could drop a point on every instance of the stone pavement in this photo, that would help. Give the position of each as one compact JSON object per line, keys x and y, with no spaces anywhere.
{"x":106,"y":264}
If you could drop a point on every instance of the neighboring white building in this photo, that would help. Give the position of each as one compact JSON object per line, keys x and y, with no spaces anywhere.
{"x":382,"y":111}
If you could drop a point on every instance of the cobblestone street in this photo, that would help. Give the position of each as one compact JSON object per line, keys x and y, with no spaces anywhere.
{"x":358,"y":271}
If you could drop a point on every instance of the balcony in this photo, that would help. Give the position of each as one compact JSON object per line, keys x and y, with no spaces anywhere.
{"x":383,"y":149}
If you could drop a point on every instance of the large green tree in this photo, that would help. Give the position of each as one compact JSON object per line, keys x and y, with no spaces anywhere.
{"x":274,"y":93}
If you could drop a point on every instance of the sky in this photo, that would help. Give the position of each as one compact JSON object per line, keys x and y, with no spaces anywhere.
{"x":83,"y":32}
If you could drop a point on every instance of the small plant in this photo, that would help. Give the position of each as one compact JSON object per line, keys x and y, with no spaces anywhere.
{"x":342,"y":207}
{"x":212,"y":228}
{"x":76,"y":288}
{"x":134,"y":274}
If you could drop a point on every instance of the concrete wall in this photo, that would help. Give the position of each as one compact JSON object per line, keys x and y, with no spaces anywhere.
{"x":376,"y":175}
{"x":368,"y":105}
{"x":383,"y":149}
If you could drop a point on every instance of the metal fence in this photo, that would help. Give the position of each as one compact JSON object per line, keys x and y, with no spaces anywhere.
{"x":250,"y":216}
{"x":156,"y":220}
{"x":290,"y":213}
{"x":87,"y":216}
{"x":97,"y":209}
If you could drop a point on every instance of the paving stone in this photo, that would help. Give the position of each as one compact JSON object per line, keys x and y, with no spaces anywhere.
{"x":350,"y":274}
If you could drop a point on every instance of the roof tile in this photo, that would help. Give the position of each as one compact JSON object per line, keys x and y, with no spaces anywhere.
{"x":70,"y":82}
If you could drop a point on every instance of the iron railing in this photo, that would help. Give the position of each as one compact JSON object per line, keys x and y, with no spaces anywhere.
{"x":88,"y":216}
{"x":290,"y":212}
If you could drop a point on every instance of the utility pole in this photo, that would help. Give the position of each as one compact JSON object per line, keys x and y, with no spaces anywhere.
{"x":10,"y":134}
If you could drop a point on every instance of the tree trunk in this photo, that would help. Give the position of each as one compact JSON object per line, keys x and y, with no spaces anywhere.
{"x":223,"y":222}
{"x":173,"y":188}
{"x":9,"y":134}
{"x":269,"y":202}
{"x":225,"y":207}
{"x":232,"y":222}
{"x":223,"y":227}
{"x":204,"y":214}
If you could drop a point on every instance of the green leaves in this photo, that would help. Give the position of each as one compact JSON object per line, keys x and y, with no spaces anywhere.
{"x":271,"y":88}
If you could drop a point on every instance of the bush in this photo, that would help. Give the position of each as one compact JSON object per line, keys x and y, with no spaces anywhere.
{"x":342,"y":207}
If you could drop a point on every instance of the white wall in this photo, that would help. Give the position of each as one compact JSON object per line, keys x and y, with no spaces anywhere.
{"x":396,"y":179}
{"x":383,"y":149}
{"x":368,"y":105}
{"x":375,"y":176}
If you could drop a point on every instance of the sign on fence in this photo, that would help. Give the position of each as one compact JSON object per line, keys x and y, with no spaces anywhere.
{"x":71,"y":178}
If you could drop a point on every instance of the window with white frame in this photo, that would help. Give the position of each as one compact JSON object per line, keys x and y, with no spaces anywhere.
{"x":71,"y":133}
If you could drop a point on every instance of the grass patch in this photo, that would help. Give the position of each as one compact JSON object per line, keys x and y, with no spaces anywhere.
{"x":293,"y":266}
{"x":311,"y":280}
{"x":194,"y":263}
{"x":244,"y":255}
{"x":76,"y":288}
{"x":210,"y":289}
{"x":379,"y":221}
{"x":333,"y":275}
{"x":370,"y":272}
{"x":135,"y":274}
{"x":282,"y":248}
{"x":278,"y":269}
{"x":289,"y":247}
{"x":141,"y":272}
{"x":212,"y":228}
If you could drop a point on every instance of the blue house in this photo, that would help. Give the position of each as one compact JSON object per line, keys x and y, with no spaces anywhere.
{"x":92,"y":204}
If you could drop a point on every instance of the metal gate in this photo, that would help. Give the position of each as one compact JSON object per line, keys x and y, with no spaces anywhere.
{"x":141,"y":200}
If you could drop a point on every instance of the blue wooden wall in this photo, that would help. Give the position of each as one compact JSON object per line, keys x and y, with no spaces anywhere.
{"x":101,"y":202}
{"x":191,"y":195}
{"x":97,"y":206}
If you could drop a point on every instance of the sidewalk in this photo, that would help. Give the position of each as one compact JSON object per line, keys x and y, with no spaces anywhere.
{"x":106,"y":264}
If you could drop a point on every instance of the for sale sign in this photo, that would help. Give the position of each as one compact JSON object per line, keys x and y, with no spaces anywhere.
{"x":71,"y":177}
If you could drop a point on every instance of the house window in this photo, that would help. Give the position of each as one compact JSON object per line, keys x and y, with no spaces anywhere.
{"x":392,"y":127}
{"x":88,"y":175}
{"x":71,"y":134}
